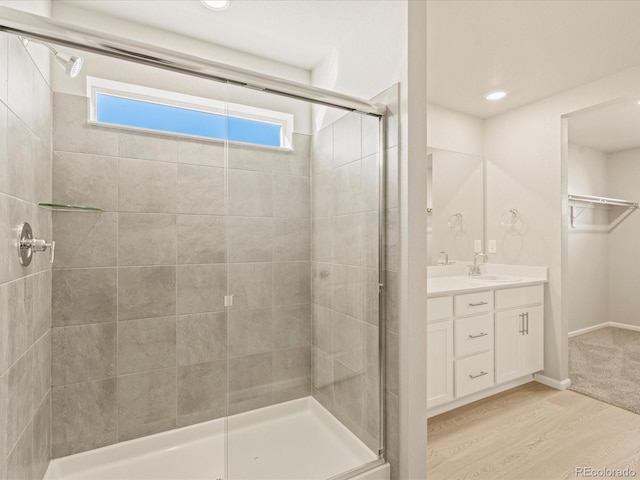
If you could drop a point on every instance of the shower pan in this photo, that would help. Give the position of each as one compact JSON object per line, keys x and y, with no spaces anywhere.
{"x":223,"y":316}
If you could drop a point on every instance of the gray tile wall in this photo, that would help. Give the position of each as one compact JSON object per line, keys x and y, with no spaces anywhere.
{"x":141,"y":341}
{"x":345,"y":331}
{"x":25,"y":292}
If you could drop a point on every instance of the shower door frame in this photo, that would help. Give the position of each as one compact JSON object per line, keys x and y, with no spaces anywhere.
{"x":45,"y":29}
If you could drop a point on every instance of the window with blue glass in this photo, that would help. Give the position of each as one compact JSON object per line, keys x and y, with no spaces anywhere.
{"x":173,"y":119}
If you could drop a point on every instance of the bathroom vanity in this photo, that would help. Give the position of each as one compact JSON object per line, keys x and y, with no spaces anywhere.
{"x":485,"y":333}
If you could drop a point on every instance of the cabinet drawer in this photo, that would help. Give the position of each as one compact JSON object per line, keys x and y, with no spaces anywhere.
{"x":515,"y":297}
{"x":473,"y":334}
{"x":471,"y":303}
{"x":439,"y":308}
{"x":474,"y":374}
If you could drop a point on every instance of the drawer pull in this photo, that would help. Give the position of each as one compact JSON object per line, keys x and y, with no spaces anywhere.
{"x":481,"y":374}
{"x":477,"y":304}
{"x":481,"y":334}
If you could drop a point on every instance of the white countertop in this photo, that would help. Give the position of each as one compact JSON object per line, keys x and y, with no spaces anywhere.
{"x":443,"y":280}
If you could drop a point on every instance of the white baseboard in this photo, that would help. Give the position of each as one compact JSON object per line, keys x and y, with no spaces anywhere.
{"x":551,"y":382}
{"x":593,"y":328}
{"x":478,"y":396}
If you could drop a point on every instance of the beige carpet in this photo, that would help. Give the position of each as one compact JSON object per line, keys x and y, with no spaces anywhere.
{"x":605,"y":365}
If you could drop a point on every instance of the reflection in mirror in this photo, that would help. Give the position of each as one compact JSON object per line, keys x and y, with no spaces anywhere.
{"x":455,"y":206}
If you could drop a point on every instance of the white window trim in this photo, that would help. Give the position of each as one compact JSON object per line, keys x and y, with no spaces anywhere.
{"x":163,"y":97}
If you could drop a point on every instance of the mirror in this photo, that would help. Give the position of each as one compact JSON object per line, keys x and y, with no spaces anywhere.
{"x":455,"y":206}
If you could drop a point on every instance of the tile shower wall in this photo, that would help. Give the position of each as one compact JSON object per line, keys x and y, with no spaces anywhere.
{"x":139,"y":338}
{"x":25,"y":292}
{"x":345,"y":326}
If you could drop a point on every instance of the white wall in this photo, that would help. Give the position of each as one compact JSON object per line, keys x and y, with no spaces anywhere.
{"x":588,"y":246}
{"x":624,"y":261}
{"x":523,"y":149}
{"x":120,"y":70}
{"x":454,"y":131}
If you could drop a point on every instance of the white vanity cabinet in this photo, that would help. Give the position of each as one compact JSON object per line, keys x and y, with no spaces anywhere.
{"x":439,"y":351}
{"x":519,"y":328}
{"x":480,"y":340}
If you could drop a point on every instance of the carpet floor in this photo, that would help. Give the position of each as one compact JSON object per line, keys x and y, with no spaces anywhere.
{"x":605,"y":365}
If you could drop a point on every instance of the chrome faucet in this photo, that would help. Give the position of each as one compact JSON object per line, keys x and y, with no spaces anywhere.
{"x":443,"y":258}
{"x":474,"y":270}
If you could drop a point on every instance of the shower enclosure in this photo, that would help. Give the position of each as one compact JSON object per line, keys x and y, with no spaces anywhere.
{"x":230,"y":288}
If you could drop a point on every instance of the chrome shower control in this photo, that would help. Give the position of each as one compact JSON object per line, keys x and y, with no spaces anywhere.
{"x":27,"y":244}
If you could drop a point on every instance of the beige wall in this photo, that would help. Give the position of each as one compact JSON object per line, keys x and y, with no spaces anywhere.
{"x":624,"y":264}
{"x":25,"y":292}
{"x":588,"y":248}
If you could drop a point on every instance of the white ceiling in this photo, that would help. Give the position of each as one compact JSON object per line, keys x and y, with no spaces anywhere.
{"x":611,"y":127}
{"x":296,"y":32}
{"x":533,"y":49}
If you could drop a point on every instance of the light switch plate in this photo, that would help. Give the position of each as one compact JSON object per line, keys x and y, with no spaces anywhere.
{"x":492,"y":246}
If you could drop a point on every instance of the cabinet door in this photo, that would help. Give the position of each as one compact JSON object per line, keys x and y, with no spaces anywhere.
{"x":508,"y":337}
{"x":533,"y":341}
{"x":439,"y":363}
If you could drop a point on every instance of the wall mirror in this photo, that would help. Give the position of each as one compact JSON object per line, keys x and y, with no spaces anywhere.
{"x":455,"y":206}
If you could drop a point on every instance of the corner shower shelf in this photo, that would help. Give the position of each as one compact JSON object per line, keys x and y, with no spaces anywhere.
{"x":59,"y":207}
{"x":595,"y":201}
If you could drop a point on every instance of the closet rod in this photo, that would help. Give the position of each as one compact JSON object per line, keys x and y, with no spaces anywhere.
{"x":603,"y":201}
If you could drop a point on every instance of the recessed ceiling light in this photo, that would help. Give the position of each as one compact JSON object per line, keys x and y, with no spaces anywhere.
{"x":496,"y":95}
{"x":216,"y":4}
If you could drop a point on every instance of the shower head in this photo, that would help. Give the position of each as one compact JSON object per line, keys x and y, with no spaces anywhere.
{"x":72,"y":64}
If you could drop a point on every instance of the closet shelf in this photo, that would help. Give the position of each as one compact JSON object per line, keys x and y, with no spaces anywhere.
{"x":66,"y":208}
{"x":603,"y":201}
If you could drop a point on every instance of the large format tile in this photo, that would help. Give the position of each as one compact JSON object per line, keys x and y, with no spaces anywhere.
{"x":146,"y":239}
{"x":147,"y":344}
{"x":20,"y":398}
{"x":297,"y":162}
{"x":291,"y":326}
{"x":202,"y":392}
{"x":71,"y":133}
{"x":347,"y":290}
{"x":83,"y":352}
{"x":147,"y":146}
{"x":201,"y":288}
{"x":147,"y":186}
{"x":250,"y":382}
{"x":201,"y":338}
{"x":348,"y":397}
{"x":322,"y":150}
{"x":322,"y":328}
{"x":201,"y":190}
{"x":291,"y":374}
{"x":4,"y":399}
{"x":146,"y":292}
{"x":321,"y":284}
{"x":291,"y":196}
{"x":250,"y":194}
{"x":20,"y":76}
{"x":348,"y":341}
{"x":201,"y":239}
{"x":250,"y":331}
{"x":251,"y":285}
{"x":16,"y":322}
{"x":347,"y":239}
{"x":322,"y":194}
{"x":4,"y":71}
{"x":88,"y":180}
{"x":20,"y":460}
{"x":370,"y":135}
{"x":84,"y":295}
{"x":84,"y":416}
{"x":370,"y":183}
{"x":291,"y":239}
{"x":146,"y":403}
{"x":347,"y":189}
{"x":85,"y":239}
{"x":42,"y":438}
{"x":41,"y":368}
{"x":347,"y":139}
{"x":250,"y":239}
{"x":42,"y":295}
{"x":42,"y":122}
{"x":201,"y":152}
{"x":19,"y":173}
{"x":291,"y":283}
{"x":322,"y":239}
{"x":248,"y":157}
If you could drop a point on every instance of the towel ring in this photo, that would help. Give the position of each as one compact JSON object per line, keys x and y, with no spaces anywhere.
{"x":509,"y":222}
{"x":455,"y":220}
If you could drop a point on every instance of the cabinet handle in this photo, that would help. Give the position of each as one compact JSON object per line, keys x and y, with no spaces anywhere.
{"x":526,"y":328}
{"x":477,"y":304}
{"x":481,"y":334}
{"x":521,"y":315}
{"x":481,"y":374}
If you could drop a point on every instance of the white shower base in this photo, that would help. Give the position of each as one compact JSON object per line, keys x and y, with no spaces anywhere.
{"x":296,"y":440}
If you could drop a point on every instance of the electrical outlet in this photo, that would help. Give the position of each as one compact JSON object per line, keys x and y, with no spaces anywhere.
{"x":492,"y":246}
{"x":477,"y":246}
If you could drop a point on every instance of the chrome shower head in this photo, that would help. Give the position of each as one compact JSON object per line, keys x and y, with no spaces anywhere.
{"x":72,"y":64}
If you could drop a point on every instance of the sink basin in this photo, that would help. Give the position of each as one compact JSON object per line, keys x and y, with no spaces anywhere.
{"x":496,"y":278}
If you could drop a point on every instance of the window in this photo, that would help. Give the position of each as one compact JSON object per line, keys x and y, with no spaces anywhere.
{"x":137,"y":107}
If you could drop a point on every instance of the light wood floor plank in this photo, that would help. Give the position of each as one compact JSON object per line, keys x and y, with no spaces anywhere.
{"x":532,"y":432}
